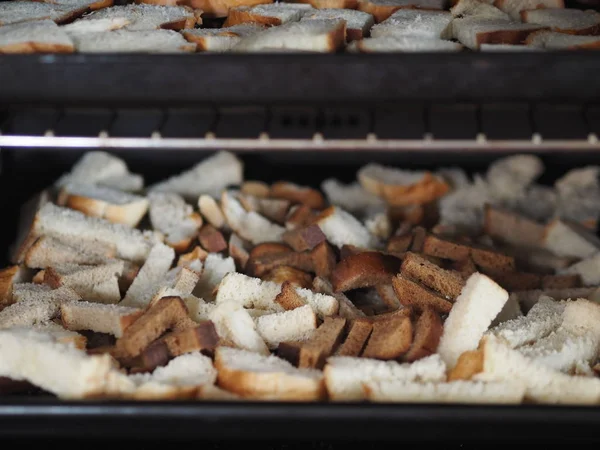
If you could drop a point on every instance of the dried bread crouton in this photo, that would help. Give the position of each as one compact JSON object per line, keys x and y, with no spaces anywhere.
{"x":390,"y":339}
{"x":358,"y":335}
{"x":297,"y":194}
{"x":411,"y":293}
{"x":324,"y":259}
{"x":8,"y":277}
{"x":281,"y":274}
{"x":304,"y":238}
{"x":211,"y":239}
{"x":446,"y":282}
{"x":428,"y":331}
{"x":364,"y":270}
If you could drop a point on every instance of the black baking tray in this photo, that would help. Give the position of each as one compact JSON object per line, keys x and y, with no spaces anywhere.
{"x":181,"y":80}
{"x":38,"y":415}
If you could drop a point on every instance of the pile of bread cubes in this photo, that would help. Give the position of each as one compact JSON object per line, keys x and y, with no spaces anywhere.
{"x":314,"y":26}
{"x":401,"y":286}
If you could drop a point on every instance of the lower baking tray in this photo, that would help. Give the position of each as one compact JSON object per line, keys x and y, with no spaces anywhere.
{"x":38,"y":415}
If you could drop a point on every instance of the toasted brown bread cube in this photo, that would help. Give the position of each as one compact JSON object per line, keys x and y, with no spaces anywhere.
{"x":388,"y":295}
{"x":561,"y":281}
{"x":304,"y":238}
{"x":155,"y":355}
{"x":212,"y":239}
{"x":167,"y":313}
{"x":322,"y":343}
{"x":411,"y":293}
{"x":465,"y":268}
{"x":364,"y":270}
{"x":360,"y":330}
{"x":393,"y":315}
{"x":447,"y":283}
{"x":469,"y":363}
{"x":349,"y":250}
{"x":298,"y":194}
{"x":511,"y":228}
{"x":390,"y":339}
{"x":238,"y":252}
{"x":492,"y":260}
{"x":260,"y":265}
{"x":300,"y":216}
{"x":288,"y":298}
{"x":444,"y":248}
{"x":281,"y":274}
{"x":290,"y":351}
{"x":399,"y":244}
{"x":203,"y":338}
{"x":269,"y":248}
{"x":324,"y":259}
{"x":428,"y":331}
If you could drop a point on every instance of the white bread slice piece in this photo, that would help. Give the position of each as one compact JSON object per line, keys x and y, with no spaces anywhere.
{"x":514,"y":7}
{"x":64,"y":223}
{"x":507,"y":48}
{"x":97,"y":25}
{"x":382,"y":9}
{"x":294,"y":325}
{"x":111,"y":319}
{"x":511,"y":175}
{"x":271,"y":14}
{"x":172,"y":216}
{"x":179,"y":282}
{"x":93,"y":283}
{"x":416,"y":22}
{"x":29,"y":292}
{"x":145,"y":17}
{"x":266,"y":377}
{"x":588,"y":270}
{"x":211,"y":211}
{"x":180,"y":378}
{"x":149,"y":278}
{"x":126,"y":41}
{"x":8,"y":278}
{"x":472,"y":31}
{"x":220,"y":39}
{"x":250,"y":226}
{"x":51,"y":252}
{"x":351,"y":197}
{"x":63,"y":335}
{"x":42,"y":36}
{"x":319,"y":35}
{"x":98,"y":201}
{"x":235,"y":324}
{"x":216,"y":267}
{"x":24,"y":11}
{"x":466,"y":8}
{"x":358,"y":23}
{"x":211,"y":176}
{"x":249,"y":292}
{"x":457,"y":392}
{"x":98,"y":167}
{"x":403,"y":44}
{"x":569,"y":240}
{"x":58,"y":368}
{"x":322,"y":304}
{"x":479,"y":302}
{"x":544,"y":385}
{"x":565,"y":20}
{"x":544,"y":318}
{"x":345,"y":375}
{"x":579,"y":195}
{"x":342,"y":228}
{"x":553,"y":40}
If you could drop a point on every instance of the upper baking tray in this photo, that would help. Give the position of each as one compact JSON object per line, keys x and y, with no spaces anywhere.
{"x":298,"y":78}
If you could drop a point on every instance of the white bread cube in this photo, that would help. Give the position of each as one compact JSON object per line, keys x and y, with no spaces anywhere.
{"x":344,"y":375}
{"x":178,"y":282}
{"x":342,"y":228}
{"x":569,"y":240}
{"x":235,"y":324}
{"x":102,"y":168}
{"x":220,"y":39}
{"x":578,"y":190}
{"x":180,"y":378}
{"x":173,"y":217}
{"x":479,"y":302}
{"x":99,"y":201}
{"x":382,"y":9}
{"x":351,"y":197}
{"x":358,"y":23}
{"x":150,"y":276}
{"x":250,"y":226}
{"x":404,"y":44}
{"x":416,"y":23}
{"x":266,"y":377}
{"x":42,"y":36}
{"x":323,"y":305}
{"x":319,"y":35}
{"x":249,"y":292}
{"x":143,"y":17}
{"x":33,"y":292}
{"x":514,"y":7}
{"x":210,"y":176}
{"x":64,"y":223}
{"x":456,"y":392}
{"x":541,"y":320}
{"x":126,"y":41}
{"x":111,"y":319}
{"x":19,"y":11}
{"x":294,"y":325}
{"x":543,"y":384}
{"x":59,"y":368}
{"x":564,"y":20}
{"x":216,"y":267}
{"x":472,"y":31}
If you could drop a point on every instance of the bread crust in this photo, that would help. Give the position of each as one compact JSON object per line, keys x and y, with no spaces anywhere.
{"x":364,"y":270}
{"x":426,"y":190}
{"x":237,"y":16}
{"x":428,"y":331}
{"x":36,"y":47}
{"x":220,"y":8}
{"x":298,"y":194}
